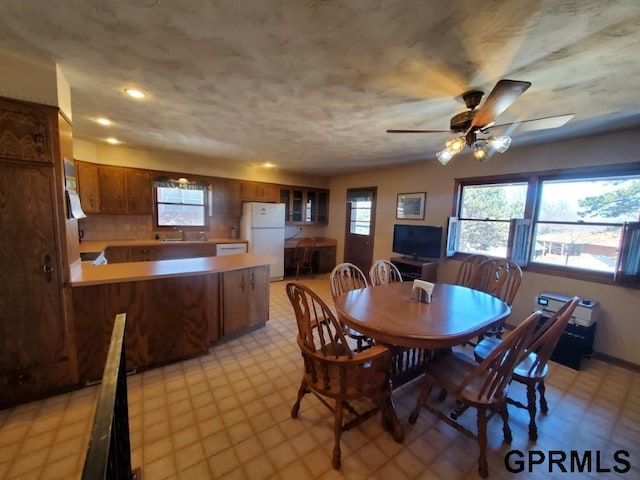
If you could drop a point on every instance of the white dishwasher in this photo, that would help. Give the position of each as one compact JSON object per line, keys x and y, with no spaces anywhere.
{"x":230,"y":249}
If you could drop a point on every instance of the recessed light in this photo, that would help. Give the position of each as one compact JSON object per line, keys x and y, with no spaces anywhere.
{"x":132,"y":92}
{"x":113,"y":141}
{"x":103,"y":121}
{"x":268,"y":165}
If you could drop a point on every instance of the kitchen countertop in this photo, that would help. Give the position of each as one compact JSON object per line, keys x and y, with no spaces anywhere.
{"x":88,"y":246}
{"x":85,"y":273}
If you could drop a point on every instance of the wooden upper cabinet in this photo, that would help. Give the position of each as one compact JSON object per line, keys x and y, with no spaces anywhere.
{"x":139,"y":191}
{"x":305,"y":205}
{"x":113,"y":188}
{"x":226,"y":197}
{"x":259,"y":192}
{"x":88,"y":186}
{"x":27,"y":131}
{"x":106,"y":189}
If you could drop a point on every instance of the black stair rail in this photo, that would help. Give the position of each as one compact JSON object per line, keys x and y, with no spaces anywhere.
{"x":109,"y":451}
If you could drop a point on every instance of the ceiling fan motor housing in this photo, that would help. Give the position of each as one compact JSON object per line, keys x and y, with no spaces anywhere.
{"x":462,"y":121}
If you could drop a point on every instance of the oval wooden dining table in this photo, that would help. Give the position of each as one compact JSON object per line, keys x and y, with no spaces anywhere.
{"x":388,"y":314}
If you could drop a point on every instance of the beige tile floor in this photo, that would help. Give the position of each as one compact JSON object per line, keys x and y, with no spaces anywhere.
{"x":226,"y":415}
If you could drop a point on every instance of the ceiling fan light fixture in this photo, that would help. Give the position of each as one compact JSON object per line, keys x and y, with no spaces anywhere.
{"x":455,"y":145}
{"x":444,"y":156}
{"x":479,"y":152}
{"x":499,"y":144}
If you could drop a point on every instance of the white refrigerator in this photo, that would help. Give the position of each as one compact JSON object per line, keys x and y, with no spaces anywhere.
{"x":262,"y":225}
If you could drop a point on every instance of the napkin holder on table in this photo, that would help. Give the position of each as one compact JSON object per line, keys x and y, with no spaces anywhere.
{"x":422,"y":290}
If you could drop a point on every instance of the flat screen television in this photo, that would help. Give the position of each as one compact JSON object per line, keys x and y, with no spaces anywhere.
{"x":417,"y":241}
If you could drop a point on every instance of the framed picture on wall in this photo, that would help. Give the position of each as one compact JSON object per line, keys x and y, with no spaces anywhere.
{"x":410,"y":206}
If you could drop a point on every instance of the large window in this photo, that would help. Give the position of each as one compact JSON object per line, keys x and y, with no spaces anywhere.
{"x":579,"y":222}
{"x":485,"y":213}
{"x":180,"y":203}
{"x":569,"y":222}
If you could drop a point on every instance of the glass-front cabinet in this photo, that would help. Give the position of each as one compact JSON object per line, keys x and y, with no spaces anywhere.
{"x":305,"y":205}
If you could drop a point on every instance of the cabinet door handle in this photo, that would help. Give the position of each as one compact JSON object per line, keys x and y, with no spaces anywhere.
{"x":38,"y":139}
{"x":242,"y":284}
{"x":48,"y":268}
{"x":253,"y":281}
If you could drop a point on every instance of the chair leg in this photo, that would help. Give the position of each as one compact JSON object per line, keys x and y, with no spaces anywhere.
{"x":421,"y":400}
{"x":337,"y":433}
{"x":302,"y":391}
{"x":544,"y":408}
{"x":483,"y":466}
{"x":531,"y":406}
{"x":506,"y":428}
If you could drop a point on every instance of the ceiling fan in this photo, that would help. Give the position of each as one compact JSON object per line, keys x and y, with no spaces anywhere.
{"x":482,"y":120}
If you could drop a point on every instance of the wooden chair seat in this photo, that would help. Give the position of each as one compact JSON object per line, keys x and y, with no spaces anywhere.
{"x":482,"y":386}
{"x":533,"y":367}
{"x":344,"y":278}
{"x":501,"y":278}
{"x":332,"y":370}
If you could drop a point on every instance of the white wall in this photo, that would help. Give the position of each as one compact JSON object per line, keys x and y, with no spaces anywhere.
{"x":618,"y":331}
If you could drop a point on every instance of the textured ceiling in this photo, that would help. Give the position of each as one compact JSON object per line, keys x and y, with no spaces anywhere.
{"x":313,"y":85}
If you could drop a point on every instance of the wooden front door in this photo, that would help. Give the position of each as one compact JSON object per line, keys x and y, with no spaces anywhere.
{"x":360,"y":227}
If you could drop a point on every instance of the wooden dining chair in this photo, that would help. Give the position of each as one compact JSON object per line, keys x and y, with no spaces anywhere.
{"x":344,"y":278}
{"x":468,"y":269}
{"x":303,"y":255}
{"x":383,"y":272}
{"x":501,"y":278}
{"x":533,"y":368}
{"x":481,"y":386}
{"x":332,"y":370}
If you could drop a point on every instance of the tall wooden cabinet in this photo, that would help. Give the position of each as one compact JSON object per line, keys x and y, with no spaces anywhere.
{"x":34,"y":336}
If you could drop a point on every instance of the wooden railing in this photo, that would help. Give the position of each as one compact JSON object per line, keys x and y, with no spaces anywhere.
{"x":109,"y":452}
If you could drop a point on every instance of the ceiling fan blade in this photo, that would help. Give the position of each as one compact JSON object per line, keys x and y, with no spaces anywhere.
{"x":501,"y":97}
{"x":418,"y":131}
{"x":535,"y":124}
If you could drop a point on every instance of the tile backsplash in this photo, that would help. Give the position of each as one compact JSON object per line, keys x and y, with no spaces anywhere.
{"x":140,"y":227}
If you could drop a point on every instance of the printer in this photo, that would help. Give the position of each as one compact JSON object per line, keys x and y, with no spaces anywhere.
{"x":585,"y":314}
{"x":576,"y":341}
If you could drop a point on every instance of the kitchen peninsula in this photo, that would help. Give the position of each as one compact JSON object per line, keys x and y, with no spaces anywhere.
{"x":175,"y":308}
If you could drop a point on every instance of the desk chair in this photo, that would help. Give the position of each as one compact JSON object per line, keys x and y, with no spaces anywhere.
{"x":344,"y":278}
{"x":303,"y":255}
{"x":533,"y":369}
{"x":481,"y":386}
{"x":332,"y":370}
{"x":383,"y":272}
{"x":501,"y":278}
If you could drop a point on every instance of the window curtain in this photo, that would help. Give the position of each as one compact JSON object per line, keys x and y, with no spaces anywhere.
{"x":183,"y":183}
